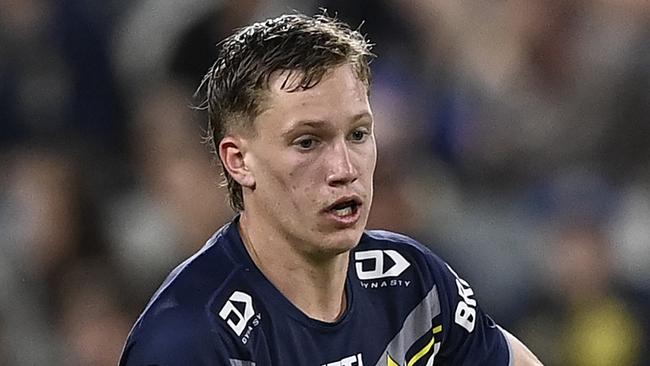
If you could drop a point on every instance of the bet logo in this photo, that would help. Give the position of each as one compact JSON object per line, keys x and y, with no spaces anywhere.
{"x":374,"y":264}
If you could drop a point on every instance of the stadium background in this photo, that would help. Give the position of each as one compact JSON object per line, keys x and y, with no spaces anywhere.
{"x":514,"y":139}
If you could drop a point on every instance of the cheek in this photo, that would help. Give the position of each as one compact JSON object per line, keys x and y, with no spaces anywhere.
{"x":369,"y":170}
{"x":373,"y":154}
{"x":300,"y":182}
{"x":367,"y":160}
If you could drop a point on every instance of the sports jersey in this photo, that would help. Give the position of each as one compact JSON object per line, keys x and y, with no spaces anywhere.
{"x":405,"y":307}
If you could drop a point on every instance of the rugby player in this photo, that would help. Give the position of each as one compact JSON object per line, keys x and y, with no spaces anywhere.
{"x":295,"y":279}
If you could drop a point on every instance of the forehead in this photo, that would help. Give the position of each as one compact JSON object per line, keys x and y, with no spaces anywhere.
{"x":338,"y":95}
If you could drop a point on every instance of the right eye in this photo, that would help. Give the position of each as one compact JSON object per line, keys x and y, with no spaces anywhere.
{"x":305,"y":143}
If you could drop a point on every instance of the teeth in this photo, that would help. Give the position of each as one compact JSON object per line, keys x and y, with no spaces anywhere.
{"x":343,"y":211}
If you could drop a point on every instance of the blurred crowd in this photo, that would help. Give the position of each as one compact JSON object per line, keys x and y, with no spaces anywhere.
{"x":514,"y":139}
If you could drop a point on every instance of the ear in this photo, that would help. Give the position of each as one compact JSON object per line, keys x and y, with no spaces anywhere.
{"x":232,"y":151}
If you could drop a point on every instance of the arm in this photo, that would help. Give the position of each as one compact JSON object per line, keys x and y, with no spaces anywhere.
{"x":174,"y":338}
{"x":474,"y":338}
{"x":521,"y":355}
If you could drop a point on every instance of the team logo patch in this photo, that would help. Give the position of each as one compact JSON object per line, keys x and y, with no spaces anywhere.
{"x":421,"y":353}
{"x":375,"y":264}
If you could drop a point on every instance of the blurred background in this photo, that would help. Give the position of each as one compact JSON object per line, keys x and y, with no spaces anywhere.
{"x":514,"y":140}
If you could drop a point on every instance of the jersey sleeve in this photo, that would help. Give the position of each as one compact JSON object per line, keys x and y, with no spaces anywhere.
{"x":173,"y":341}
{"x":471,"y":336}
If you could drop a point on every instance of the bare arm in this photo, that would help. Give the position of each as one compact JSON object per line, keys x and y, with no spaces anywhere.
{"x":521,"y":355}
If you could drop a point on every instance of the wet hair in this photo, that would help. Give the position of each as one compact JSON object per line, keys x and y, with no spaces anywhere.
{"x":237,"y":84}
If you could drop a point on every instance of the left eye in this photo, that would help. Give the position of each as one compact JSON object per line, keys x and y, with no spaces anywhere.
{"x":306,"y":143}
{"x":358,"y":135}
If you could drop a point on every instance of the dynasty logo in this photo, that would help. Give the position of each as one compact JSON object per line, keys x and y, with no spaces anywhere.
{"x":379,"y":268}
{"x":238,"y":312}
{"x":355,"y":360}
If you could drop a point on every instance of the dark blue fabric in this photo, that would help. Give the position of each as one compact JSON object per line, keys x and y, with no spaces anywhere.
{"x":187,"y":320}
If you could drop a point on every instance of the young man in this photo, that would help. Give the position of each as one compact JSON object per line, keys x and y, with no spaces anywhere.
{"x":294,"y":279}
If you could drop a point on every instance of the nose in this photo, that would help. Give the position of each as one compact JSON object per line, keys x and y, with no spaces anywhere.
{"x":341,"y":170}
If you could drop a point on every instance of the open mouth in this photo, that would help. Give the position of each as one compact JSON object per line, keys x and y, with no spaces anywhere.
{"x":345,"y":207}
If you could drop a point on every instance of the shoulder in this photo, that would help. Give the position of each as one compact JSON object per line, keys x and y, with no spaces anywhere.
{"x":193,"y":282}
{"x":178,"y":323}
{"x":385,"y":254}
{"x":431,"y":268}
{"x":390,"y":239}
{"x":411,"y":249}
{"x":391,"y":257}
{"x":172,"y":337}
{"x":461,"y":333}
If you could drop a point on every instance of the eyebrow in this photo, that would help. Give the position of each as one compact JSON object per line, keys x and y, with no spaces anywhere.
{"x":320,"y":123}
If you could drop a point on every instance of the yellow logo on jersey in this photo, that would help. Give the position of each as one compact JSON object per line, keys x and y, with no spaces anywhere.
{"x":430,"y":348}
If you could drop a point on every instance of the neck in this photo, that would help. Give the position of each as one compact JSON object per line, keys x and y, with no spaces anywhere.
{"x":314,"y":284}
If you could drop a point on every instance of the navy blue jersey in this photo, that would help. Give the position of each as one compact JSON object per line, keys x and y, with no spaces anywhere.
{"x":406,"y":307}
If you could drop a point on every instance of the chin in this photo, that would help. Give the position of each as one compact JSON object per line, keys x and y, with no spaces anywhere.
{"x":342,"y":240}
